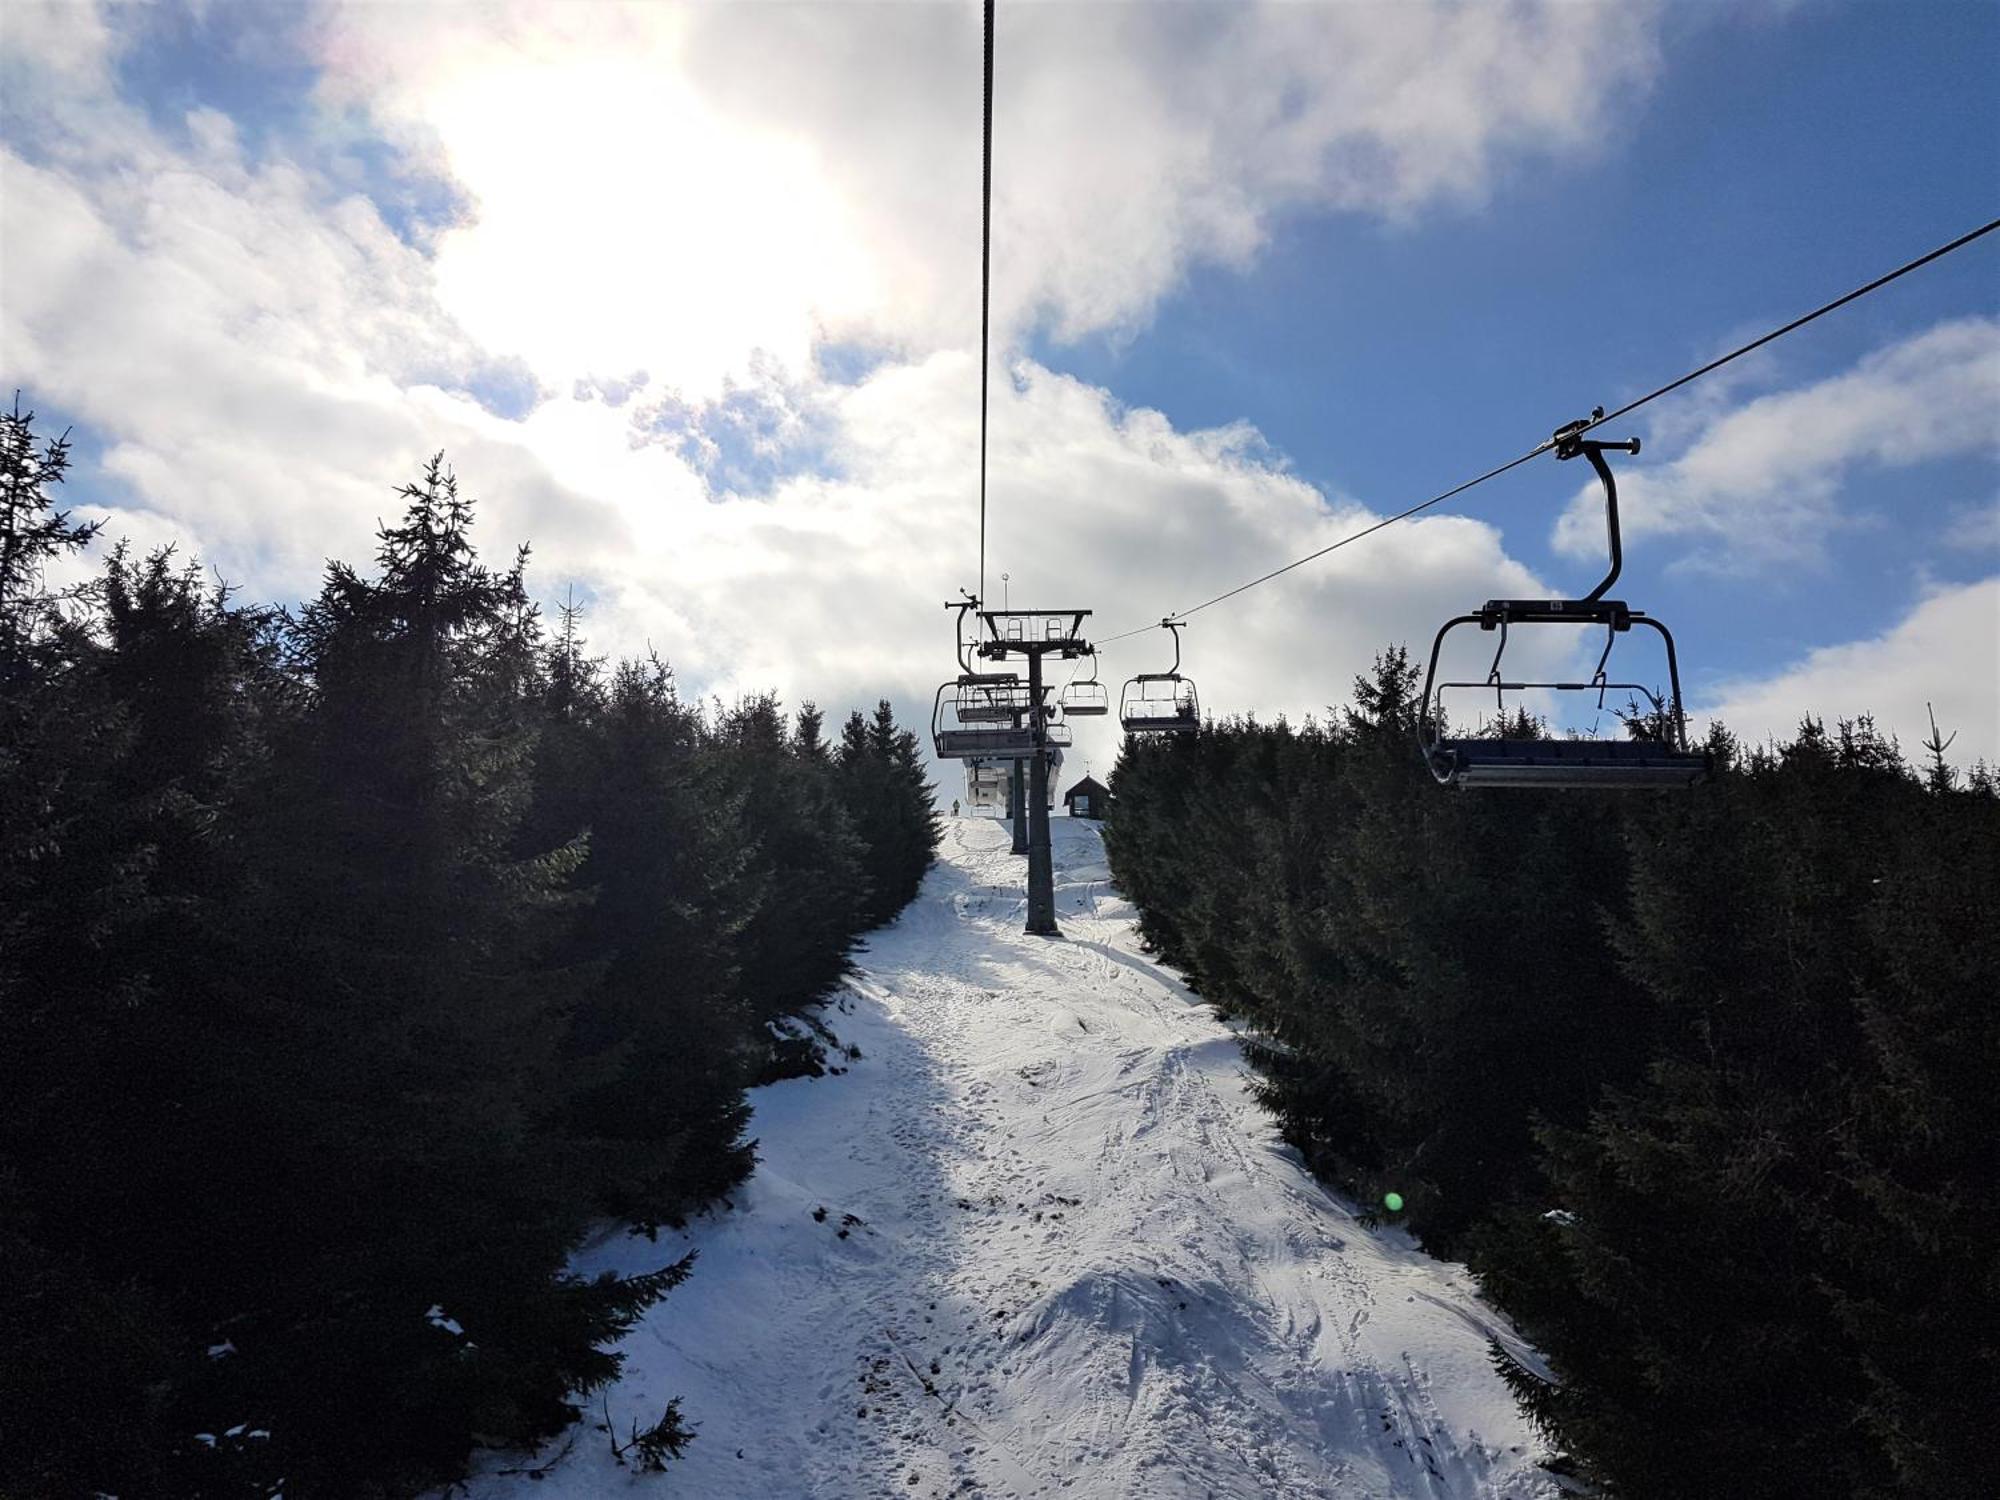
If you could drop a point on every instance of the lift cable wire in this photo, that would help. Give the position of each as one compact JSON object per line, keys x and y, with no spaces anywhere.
{"x":1403,"y":515}
{"x":1777,"y":333}
{"x":1596,"y":420}
{"x":985,"y":278}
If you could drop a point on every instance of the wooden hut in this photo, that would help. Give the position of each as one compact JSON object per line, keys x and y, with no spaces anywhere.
{"x":1089,"y":798}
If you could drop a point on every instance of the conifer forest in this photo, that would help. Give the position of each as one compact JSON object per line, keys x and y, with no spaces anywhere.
{"x":1701,"y":1087}
{"x":355,"y":959}
{"x":361,"y":959}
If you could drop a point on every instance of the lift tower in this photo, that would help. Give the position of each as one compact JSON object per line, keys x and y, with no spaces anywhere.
{"x":1018,"y":805}
{"x":1037,"y":633}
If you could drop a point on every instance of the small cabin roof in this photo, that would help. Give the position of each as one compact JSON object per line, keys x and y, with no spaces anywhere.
{"x":1089,"y":784}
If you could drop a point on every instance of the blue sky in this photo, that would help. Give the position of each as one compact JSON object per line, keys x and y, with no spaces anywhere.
{"x":1781,"y":159}
{"x":688,"y":296}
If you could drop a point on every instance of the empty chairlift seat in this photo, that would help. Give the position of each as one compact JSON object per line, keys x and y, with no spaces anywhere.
{"x":1161,"y":702}
{"x":1657,"y":756}
{"x":1086,"y":699}
{"x":980,"y":716}
{"x":1564,"y":763}
{"x":991,"y":698}
{"x":955,"y":739}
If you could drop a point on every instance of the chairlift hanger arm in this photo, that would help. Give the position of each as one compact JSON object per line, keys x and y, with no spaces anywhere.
{"x":1569,"y":441}
{"x":968,"y":601}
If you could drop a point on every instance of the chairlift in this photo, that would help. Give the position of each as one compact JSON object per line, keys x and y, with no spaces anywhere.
{"x":1660,"y":758}
{"x":1161,"y":702}
{"x":1087,"y":698}
{"x":992,"y":716}
{"x":991,"y":697}
{"x":986,"y":787}
{"x":978,"y":715}
{"x":956,"y":738}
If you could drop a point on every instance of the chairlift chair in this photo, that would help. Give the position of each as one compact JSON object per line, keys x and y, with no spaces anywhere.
{"x":991,"y":698}
{"x":1161,"y":702}
{"x":954,"y":738}
{"x":986,"y":786}
{"x":1664,"y":761}
{"x":1086,"y":698}
{"x":979,"y":715}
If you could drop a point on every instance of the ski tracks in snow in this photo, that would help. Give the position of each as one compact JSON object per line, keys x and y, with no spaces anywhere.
{"x":1062,"y":1254}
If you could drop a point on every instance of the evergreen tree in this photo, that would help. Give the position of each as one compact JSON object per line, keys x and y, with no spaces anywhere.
{"x":33,"y":532}
{"x":418,"y":1168}
{"x":350,"y":963}
{"x":89,"y":1359}
{"x":808,"y":738}
{"x":808,"y":863}
{"x":892,"y":806}
{"x":1701,"y":1084}
{"x":667,"y":1027}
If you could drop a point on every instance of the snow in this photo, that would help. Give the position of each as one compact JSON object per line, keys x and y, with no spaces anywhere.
{"x":1063,"y":1253}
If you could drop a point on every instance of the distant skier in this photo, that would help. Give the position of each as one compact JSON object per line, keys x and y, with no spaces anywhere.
{"x":954,"y":807}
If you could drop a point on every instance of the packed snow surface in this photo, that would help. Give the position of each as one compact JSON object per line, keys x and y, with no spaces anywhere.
{"x":1040,"y":1241}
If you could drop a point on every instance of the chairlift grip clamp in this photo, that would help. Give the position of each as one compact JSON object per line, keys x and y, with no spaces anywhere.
{"x":1569,"y":440}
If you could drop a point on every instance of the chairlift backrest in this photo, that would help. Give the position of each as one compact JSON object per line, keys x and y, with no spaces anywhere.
{"x":1085,"y":699}
{"x":991,"y":697}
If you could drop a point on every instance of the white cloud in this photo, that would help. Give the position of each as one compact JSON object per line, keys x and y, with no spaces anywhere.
{"x":704,"y":194}
{"x":1129,"y":517}
{"x":1762,"y":483}
{"x":708,"y":194}
{"x":1974,"y":528}
{"x":674,"y":189}
{"x":244,"y":348}
{"x":265,"y":420}
{"x":1945,"y":654}
{"x":67,"y":38}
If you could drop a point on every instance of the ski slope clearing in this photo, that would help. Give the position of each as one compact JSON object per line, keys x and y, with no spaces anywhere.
{"x":1040,"y":1241}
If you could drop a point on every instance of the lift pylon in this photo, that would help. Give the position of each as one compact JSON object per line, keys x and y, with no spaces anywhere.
{"x":1036,"y":634}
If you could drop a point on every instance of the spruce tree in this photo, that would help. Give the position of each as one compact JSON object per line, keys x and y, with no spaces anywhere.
{"x":426,"y":1172}
{"x":665,"y":1033}
{"x":890,"y":802}
{"x":33,"y":533}
{"x":808,"y":862}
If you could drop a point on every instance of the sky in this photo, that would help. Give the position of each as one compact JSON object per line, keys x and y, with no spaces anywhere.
{"x":689,"y":297}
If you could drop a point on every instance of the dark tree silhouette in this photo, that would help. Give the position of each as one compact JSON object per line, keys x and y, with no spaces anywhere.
{"x":352,"y":961}
{"x":1700,"y":1084}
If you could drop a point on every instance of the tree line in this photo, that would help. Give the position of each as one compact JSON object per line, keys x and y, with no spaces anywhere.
{"x":354,"y":960}
{"x":1701,"y":1085}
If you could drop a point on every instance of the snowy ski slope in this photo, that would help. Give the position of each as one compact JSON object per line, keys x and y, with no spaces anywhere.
{"x":1079,"y":1260}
